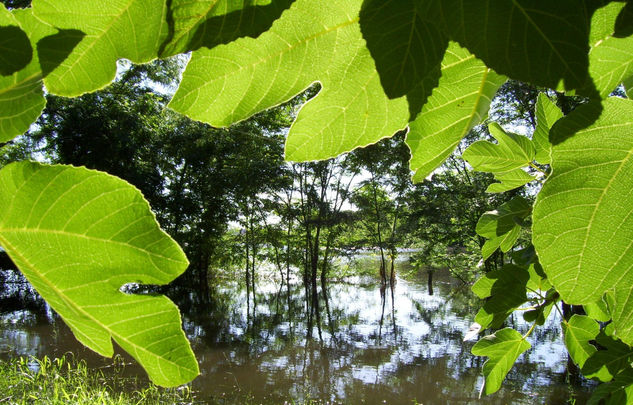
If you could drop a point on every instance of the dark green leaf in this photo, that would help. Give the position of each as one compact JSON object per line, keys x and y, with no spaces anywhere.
{"x":504,"y":290}
{"x":614,"y":357}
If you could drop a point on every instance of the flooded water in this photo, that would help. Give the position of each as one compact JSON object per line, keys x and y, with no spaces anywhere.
{"x":373,"y":347}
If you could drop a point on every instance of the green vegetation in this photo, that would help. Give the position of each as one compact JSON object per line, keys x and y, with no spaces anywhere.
{"x":66,"y":380}
{"x":433,"y":75}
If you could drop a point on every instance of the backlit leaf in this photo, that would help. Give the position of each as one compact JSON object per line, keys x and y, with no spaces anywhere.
{"x":583,"y":217}
{"x":610,"y":57}
{"x":112,"y":31}
{"x":617,"y":392}
{"x":547,"y":113}
{"x":510,"y":153}
{"x":459,"y":103}
{"x":578,"y":332}
{"x":310,"y":42}
{"x":510,"y":180}
{"x":80,"y":235}
{"x":502,"y":349}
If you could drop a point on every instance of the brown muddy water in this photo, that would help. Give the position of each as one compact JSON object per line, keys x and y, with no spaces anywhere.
{"x":373,"y":346}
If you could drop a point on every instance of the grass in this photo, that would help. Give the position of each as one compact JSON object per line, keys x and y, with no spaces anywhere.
{"x":66,"y":380}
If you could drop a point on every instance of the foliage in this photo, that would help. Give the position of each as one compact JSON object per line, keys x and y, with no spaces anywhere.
{"x":375,"y":82}
{"x":67,"y":380}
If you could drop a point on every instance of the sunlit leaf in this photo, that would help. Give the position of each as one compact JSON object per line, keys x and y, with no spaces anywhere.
{"x":547,"y":113}
{"x":578,"y":332}
{"x":459,"y":103}
{"x":21,"y":94}
{"x":312,"y":41}
{"x":583,"y":222}
{"x":510,"y":180}
{"x":598,"y":310}
{"x":112,"y":31}
{"x":510,"y":153}
{"x":504,"y":291}
{"x":15,"y":48}
{"x":80,"y":235}
{"x":610,"y":57}
{"x":502,"y":349}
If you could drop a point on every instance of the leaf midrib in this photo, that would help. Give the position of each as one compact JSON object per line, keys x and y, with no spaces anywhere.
{"x":9,"y":247}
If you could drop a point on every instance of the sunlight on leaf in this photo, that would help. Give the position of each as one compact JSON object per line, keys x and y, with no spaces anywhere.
{"x":502,"y":348}
{"x":583,"y":225}
{"x":78,"y":236}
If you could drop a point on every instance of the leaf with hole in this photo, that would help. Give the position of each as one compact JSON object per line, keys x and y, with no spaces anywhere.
{"x":310,"y":42}
{"x":80,"y":235}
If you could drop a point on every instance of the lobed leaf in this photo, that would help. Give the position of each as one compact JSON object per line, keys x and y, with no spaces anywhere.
{"x":504,"y":219}
{"x":608,"y":362}
{"x":194,"y":24}
{"x":510,"y":180}
{"x":502,"y":349}
{"x":583,"y":217}
{"x":610,"y":57}
{"x":504,"y":291}
{"x":78,"y":236}
{"x":578,"y":332}
{"x":460,"y":102}
{"x":510,"y":153}
{"x":112,"y":31}
{"x":547,"y":113}
{"x":310,"y":42}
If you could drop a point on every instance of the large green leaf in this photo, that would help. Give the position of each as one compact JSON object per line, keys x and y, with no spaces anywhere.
{"x":311,"y":41}
{"x":80,"y":235}
{"x":610,"y":57}
{"x":583,"y":222}
{"x":132,"y":29}
{"x":510,"y":153}
{"x":578,"y":332}
{"x":21,"y":94}
{"x":15,"y":48}
{"x":547,"y":113}
{"x":459,"y":103}
{"x":503,"y":348}
{"x":504,"y":291}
